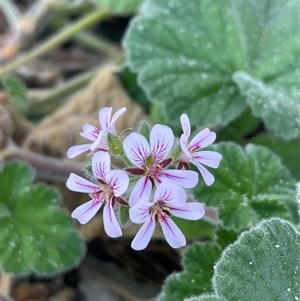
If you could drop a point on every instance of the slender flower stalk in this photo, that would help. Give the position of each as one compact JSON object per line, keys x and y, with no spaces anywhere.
{"x":192,"y":151}
{"x":169,"y":199}
{"x":96,"y":135}
{"x":150,"y":161}
{"x":107,"y":190}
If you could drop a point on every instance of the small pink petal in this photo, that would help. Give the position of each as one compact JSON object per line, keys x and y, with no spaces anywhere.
{"x":111,"y":225}
{"x":142,"y":238}
{"x":183,"y":178}
{"x":104,"y":117}
{"x":120,"y":112}
{"x":184,"y":145}
{"x":118,"y":180}
{"x":185,"y":124}
{"x":90,"y":132}
{"x":209,"y":158}
{"x":141,"y":191}
{"x":79,"y":184}
{"x":207,"y":176}
{"x":202,"y":139}
{"x":87,"y":211}
{"x":166,"y":192}
{"x":76,"y":150}
{"x":101,"y":165}
{"x":161,"y":142}
{"x":136,"y":148}
{"x":140,"y":212}
{"x":191,"y":211}
{"x":172,"y":233}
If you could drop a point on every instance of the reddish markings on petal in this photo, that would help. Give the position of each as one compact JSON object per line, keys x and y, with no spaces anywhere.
{"x":142,"y":238}
{"x":209,"y":158}
{"x":140,"y":212}
{"x":207,"y":176}
{"x":183,"y":178}
{"x":185,"y":124}
{"x":166,"y":192}
{"x":101,"y":165}
{"x":87,"y":211}
{"x":111,"y":225}
{"x":121,"y":201}
{"x":79,"y":184}
{"x":134,"y":171}
{"x":202,"y":139}
{"x":104,"y":117}
{"x":141,"y":191}
{"x":90,"y":132}
{"x":165,"y":163}
{"x":118,"y":180}
{"x":190,"y":211}
{"x":161,"y":142}
{"x":76,"y":150}
{"x":136,"y":148}
{"x":172,"y":233}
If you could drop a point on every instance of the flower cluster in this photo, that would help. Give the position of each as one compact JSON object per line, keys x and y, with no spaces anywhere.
{"x":153,"y":181}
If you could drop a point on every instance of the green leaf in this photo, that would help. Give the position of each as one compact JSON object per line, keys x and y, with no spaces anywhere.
{"x":177,"y":61}
{"x":17,"y":91}
{"x":199,"y":229}
{"x":38,"y":235}
{"x":287,"y":150}
{"x":205,"y":298}
{"x":198,"y":262}
{"x":121,"y":6}
{"x":185,"y":53}
{"x":276,"y":105}
{"x":247,"y":182}
{"x":263,"y":264}
{"x":129,"y":82}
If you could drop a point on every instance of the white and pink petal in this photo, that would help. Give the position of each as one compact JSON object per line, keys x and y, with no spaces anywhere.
{"x":202,"y":139}
{"x":137,"y":149}
{"x":166,"y":192}
{"x":183,"y":178}
{"x":172,"y":233}
{"x":76,"y":150}
{"x":79,"y":184}
{"x":90,"y":132}
{"x":111,"y":225}
{"x":185,"y":124}
{"x":141,"y":191}
{"x":118,"y":180}
{"x":161,"y":142}
{"x":104,"y":117}
{"x":101,"y":165}
{"x":190,"y":211}
{"x":85,"y":212}
{"x":209,"y":158}
{"x":207,"y":176}
{"x":143,"y":236}
{"x":112,"y":124}
{"x":140,"y":212}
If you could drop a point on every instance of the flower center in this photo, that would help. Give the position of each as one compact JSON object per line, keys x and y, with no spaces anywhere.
{"x":95,"y":132}
{"x":194,"y":147}
{"x":159,"y":211}
{"x":153,"y":170}
{"x":104,"y":194}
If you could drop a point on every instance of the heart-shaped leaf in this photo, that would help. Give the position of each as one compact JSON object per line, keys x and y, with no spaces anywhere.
{"x":36,"y":233}
{"x":250,"y":184}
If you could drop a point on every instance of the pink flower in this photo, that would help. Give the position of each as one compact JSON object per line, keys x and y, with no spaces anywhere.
{"x":97,"y":136}
{"x":191,"y":151}
{"x":151,"y":159}
{"x":110,"y":185}
{"x":169,"y":199}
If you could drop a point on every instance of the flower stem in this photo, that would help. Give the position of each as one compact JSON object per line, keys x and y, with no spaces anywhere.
{"x":54,"y":41}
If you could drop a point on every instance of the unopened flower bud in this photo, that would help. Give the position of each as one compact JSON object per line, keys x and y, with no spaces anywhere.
{"x":114,"y":144}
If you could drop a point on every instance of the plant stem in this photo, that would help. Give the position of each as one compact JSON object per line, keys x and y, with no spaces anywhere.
{"x":55,"y":40}
{"x":47,"y":168}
